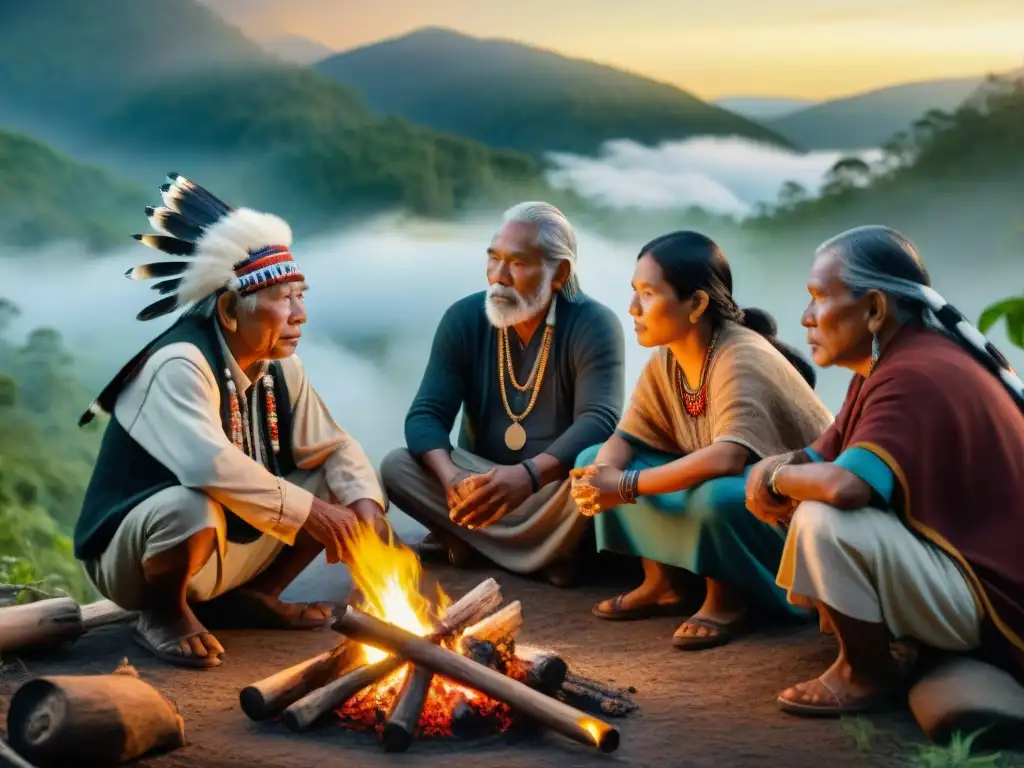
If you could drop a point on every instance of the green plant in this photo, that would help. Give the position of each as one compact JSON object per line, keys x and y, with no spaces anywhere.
{"x":1012,"y":311}
{"x":956,"y":754}
{"x":862,"y":732}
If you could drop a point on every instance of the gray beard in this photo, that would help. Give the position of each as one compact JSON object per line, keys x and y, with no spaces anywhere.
{"x":505,"y":315}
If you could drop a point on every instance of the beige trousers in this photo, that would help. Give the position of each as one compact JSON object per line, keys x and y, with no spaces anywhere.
{"x":545,"y":528}
{"x":167,"y":519}
{"x":866,"y":564}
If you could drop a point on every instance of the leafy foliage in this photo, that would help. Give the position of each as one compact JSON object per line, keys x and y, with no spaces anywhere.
{"x":45,"y":461}
{"x":510,"y":95}
{"x":47,"y":196}
{"x":1010,"y":310}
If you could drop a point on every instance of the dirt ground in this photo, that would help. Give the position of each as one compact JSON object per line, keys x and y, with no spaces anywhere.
{"x":712,"y":708}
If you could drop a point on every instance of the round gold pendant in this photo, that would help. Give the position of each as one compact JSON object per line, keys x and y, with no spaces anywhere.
{"x":515,"y":437}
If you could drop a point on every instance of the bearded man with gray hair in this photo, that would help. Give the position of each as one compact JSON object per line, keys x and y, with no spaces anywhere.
{"x":537,"y":368}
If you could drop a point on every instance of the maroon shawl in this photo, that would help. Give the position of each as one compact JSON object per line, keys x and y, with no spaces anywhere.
{"x":954,"y":440}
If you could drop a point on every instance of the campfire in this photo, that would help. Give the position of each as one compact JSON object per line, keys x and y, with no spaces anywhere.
{"x":410,"y":667}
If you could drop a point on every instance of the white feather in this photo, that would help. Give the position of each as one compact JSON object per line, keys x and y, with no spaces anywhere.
{"x":225,"y":244}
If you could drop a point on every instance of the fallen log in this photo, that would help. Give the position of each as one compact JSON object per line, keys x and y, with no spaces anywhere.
{"x":552,"y":713}
{"x":91,"y":720}
{"x":590,"y":696}
{"x":404,"y":718}
{"x":545,"y":669}
{"x":306,"y":710}
{"x":269,"y":697}
{"x":53,"y":621}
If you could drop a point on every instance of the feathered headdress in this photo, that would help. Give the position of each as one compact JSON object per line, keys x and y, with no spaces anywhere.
{"x":220,"y":248}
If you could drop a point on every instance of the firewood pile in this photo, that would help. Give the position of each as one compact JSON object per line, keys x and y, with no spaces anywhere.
{"x":468,"y":677}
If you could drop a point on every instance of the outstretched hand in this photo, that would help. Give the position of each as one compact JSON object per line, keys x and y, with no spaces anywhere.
{"x":334,"y":527}
{"x":492,"y":496}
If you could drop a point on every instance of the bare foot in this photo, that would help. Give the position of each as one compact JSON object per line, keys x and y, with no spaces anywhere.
{"x":179,"y":638}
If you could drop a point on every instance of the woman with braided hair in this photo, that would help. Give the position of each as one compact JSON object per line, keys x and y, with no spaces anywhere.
{"x":719,"y":393}
{"x":905,"y":517}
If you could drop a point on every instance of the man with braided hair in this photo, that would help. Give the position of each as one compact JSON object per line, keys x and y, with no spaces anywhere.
{"x":221,"y":474}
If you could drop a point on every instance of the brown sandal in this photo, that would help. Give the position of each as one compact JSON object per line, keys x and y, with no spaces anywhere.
{"x":839,"y":705}
{"x":637,"y":612}
{"x":722,"y":634}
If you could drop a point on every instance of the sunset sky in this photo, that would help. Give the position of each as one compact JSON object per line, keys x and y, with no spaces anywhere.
{"x":802,"y":48}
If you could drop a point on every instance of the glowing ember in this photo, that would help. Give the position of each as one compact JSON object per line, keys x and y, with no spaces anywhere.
{"x":387,"y":575}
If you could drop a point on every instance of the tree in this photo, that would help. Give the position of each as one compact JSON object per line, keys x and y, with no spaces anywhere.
{"x":847,"y":173}
{"x":1012,"y":311}
{"x":791,"y":194}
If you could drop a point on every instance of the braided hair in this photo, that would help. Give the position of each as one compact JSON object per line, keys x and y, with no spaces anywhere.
{"x":882,"y":259}
{"x":691,"y":262}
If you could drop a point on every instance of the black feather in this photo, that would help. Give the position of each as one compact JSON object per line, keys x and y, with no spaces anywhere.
{"x":169,"y":245}
{"x":157,"y":269}
{"x":199,"y":192}
{"x":158,"y":308}
{"x":194,"y":208}
{"x":173,"y":223}
{"x":167,"y":286}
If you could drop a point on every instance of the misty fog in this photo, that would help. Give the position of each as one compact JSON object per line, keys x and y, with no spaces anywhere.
{"x":378,"y":290}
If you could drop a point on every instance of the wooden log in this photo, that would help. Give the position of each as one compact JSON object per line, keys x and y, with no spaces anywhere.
{"x":311,"y":707}
{"x":505,"y":623}
{"x":306,"y":710}
{"x":92,"y":720}
{"x":590,"y":700}
{"x":545,"y":669}
{"x":103,"y":613}
{"x":404,"y":718}
{"x":269,"y":697}
{"x":599,"y":687}
{"x":40,"y":624}
{"x":467,"y":722}
{"x":554,"y":714}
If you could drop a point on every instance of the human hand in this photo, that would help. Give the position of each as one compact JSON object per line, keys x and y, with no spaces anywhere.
{"x":496,"y":493}
{"x":460,"y":485}
{"x":334,"y":527}
{"x":595,"y":488}
{"x":760,"y":500}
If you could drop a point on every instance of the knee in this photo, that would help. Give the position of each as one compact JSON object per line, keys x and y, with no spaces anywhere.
{"x":393,"y":465}
{"x":181,"y":510}
{"x":817,"y":523}
{"x":588,"y":456}
{"x":719,"y":503}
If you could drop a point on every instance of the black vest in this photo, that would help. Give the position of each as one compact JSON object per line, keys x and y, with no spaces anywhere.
{"x":125,"y":474}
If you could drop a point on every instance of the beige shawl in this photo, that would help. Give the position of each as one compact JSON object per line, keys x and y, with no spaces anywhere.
{"x":755,"y":398}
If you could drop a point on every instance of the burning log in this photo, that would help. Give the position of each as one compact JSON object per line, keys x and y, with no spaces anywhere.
{"x":501,"y":625}
{"x":53,"y":621}
{"x":268,"y":697}
{"x":552,"y":713}
{"x":404,"y":717}
{"x":466,"y":720}
{"x":95,"y":720}
{"x":478,"y":602}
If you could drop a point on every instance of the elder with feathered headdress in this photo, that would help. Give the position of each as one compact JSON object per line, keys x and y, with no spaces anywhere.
{"x":221,"y":474}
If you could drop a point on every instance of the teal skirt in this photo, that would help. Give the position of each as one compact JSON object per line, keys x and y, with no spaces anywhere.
{"x":706,"y":530}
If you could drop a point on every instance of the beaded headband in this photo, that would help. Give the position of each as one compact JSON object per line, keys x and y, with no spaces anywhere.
{"x":223,"y":248}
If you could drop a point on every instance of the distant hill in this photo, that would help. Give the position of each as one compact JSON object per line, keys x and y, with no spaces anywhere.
{"x":955,"y":181}
{"x":149,"y":86}
{"x":296,"y":49}
{"x":762,"y":107}
{"x":45,"y":195}
{"x":872,"y":118}
{"x":64,"y":59}
{"x":510,"y":95}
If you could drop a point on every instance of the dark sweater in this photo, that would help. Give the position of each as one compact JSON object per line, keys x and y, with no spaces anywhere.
{"x":580,"y":399}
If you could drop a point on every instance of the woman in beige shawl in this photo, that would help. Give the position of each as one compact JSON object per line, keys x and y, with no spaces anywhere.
{"x":719,"y":393}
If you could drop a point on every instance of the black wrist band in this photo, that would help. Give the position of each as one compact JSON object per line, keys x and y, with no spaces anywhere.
{"x":531,"y":470}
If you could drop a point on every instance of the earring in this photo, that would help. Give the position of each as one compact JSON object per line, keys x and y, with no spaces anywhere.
{"x":876,"y":351}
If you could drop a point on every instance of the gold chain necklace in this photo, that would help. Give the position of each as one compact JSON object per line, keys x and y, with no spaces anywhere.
{"x":511,"y":370}
{"x":515,"y":435}
{"x":696,"y":400}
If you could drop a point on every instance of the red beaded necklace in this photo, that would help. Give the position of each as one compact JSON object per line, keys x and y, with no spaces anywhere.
{"x":237,"y":423}
{"x":695,"y":401}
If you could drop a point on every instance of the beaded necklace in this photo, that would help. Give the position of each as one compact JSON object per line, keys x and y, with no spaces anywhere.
{"x":696,"y":400}
{"x":241,"y":435}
